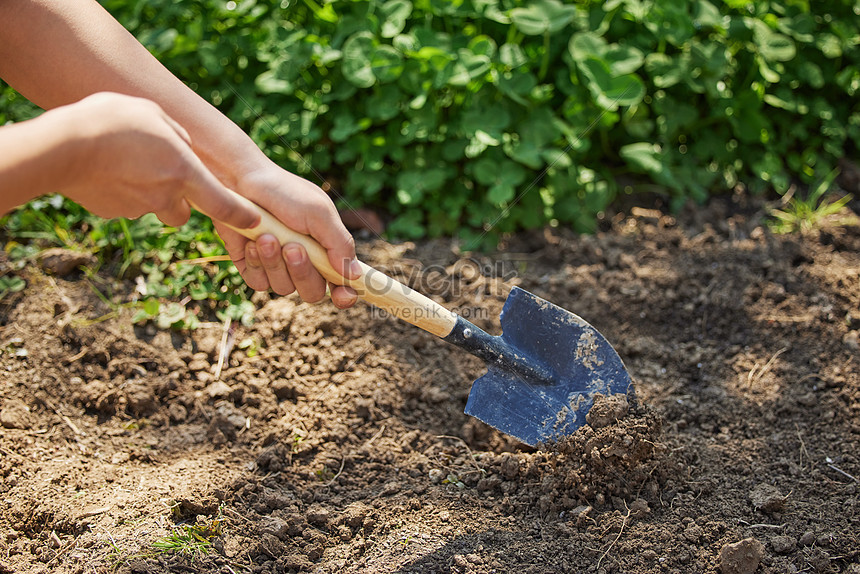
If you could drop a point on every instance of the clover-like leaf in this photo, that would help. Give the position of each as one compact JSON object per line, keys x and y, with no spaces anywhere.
{"x":646,"y":156}
{"x":623,"y":59}
{"x":665,"y":71}
{"x":512,"y":55}
{"x":394,"y":14}
{"x":773,"y":46}
{"x":542,"y":16}
{"x":502,"y":178}
{"x":611,"y":91}
{"x":468,"y":66}
{"x":357,"y":65}
{"x":492,"y":119}
{"x":386,"y":63}
{"x":584,"y":45}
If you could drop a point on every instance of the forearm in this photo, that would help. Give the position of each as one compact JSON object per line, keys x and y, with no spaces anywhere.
{"x":34,"y":156}
{"x":82,"y":50}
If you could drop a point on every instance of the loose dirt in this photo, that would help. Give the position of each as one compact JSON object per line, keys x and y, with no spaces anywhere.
{"x":335,"y":441}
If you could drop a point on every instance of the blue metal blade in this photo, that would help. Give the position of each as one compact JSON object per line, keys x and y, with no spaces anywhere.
{"x":581,"y":361}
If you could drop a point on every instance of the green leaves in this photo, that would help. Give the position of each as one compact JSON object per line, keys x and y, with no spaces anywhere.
{"x":357,"y":65}
{"x":542,"y":17}
{"x":608,"y":70}
{"x":773,"y":47}
{"x":394,"y":14}
{"x":454,"y":115}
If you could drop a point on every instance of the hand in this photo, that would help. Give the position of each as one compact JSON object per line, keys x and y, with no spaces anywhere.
{"x":305,"y":208}
{"x":136,"y":160}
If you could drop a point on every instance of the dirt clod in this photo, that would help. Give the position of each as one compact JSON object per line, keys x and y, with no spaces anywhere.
{"x":741,"y":557}
{"x":15,"y":414}
{"x":767,"y":498}
{"x":783,"y":544}
{"x":607,"y":410}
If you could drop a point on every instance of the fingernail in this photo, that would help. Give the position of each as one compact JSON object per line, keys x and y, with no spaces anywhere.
{"x":355,"y":269}
{"x":294,"y":255}
{"x":253,"y":256}
{"x":268,"y":249}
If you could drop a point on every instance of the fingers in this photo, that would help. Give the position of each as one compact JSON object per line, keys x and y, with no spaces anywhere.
{"x":309,"y":283}
{"x":274,"y":265}
{"x":253,"y":273}
{"x":329,"y":231}
{"x":283,"y":270}
{"x":342,"y":296}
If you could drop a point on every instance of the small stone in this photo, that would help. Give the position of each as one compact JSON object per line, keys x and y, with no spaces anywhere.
{"x":741,"y":557}
{"x":390,"y":488}
{"x":693,"y":532}
{"x":436,"y":475}
{"x":649,"y":556}
{"x":314,"y":551}
{"x":297,"y":562}
{"x":783,"y":544}
{"x":607,"y":410}
{"x":852,"y":340}
{"x":807,"y":399}
{"x":219,"y":390}
{"x":807,"y":539}
{"x":119,"y":458}
{"x":177,"y":412}
{"x":198,"y":365}
{"x":640,"y":508}
{"x":15,"y":414}
{"x":489,"y":484}
{"x":767,"y":498}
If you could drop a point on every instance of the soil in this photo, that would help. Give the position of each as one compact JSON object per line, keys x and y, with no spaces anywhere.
{"x":335,"y":441}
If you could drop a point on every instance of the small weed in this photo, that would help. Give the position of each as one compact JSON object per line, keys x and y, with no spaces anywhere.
{"x":190,"y":540}
{"x":808,"y":213}
{"x":11,"y":284}
{"x":251,"y":346}
{"x":325,"y":474}
{"x":297,"y":443}
{"x":455,"y":480}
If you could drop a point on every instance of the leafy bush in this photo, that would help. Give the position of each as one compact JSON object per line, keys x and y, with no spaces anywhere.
{"x":476,"y":116}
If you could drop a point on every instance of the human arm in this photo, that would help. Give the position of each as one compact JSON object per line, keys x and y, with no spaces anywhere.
{"x":89,"y":52}
{"x":116,"y":155}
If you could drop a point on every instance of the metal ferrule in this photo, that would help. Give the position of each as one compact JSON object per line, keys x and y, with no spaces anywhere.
{"x":496,"y":352}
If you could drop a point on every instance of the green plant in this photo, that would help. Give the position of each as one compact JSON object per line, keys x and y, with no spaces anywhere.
{"x":481,"y":117}
{"x":190,"y":540}
{"x":183,"y":275}
{"x":11,"y":284}
{"x":809,"y":212}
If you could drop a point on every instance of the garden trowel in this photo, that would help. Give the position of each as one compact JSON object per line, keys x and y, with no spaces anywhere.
{"x":543,"y":371}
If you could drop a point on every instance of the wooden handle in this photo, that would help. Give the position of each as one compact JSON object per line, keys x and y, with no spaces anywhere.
{"x":373,"y":285}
